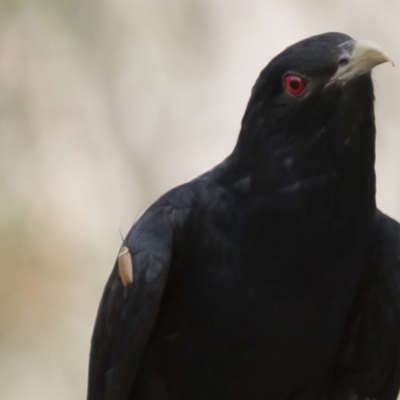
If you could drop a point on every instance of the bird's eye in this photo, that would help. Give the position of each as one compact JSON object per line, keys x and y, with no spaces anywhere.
{"x":294,"y":84}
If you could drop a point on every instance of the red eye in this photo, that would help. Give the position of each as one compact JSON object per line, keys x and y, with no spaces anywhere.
{"x":294,"y":84}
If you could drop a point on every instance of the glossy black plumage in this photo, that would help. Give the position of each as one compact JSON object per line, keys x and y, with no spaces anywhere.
{"x":273,"y":276}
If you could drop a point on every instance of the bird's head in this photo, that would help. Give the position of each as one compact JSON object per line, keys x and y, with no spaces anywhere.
{"x":314,"y":101}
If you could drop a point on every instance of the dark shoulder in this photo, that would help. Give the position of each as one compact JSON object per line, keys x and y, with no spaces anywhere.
{"x":387,"y":241}
{"x":188,"y":194}
{"x":368,"y":363}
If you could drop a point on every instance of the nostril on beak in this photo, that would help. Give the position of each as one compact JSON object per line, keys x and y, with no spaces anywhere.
{"x":343,"y":61}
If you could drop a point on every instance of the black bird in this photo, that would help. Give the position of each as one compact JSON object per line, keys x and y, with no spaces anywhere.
{"x":272,"y":276}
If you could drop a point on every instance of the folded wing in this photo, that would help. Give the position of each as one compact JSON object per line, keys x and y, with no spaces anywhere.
{"x":130,"y":305}
{"x":368,"y":366}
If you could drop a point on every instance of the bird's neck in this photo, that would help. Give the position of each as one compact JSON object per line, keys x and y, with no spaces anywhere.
{"x":338,"y":150}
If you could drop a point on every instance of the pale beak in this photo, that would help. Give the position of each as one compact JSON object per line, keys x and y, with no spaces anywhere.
{"x":357,"y":57}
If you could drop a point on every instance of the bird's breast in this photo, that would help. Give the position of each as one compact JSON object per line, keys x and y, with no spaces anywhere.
{"x":260,"y":259}
{"x":260,"y":292}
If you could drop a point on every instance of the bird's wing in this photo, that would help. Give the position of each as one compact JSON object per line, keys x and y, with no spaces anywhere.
{"x":132,"y":297}
{"x":368,"y":366}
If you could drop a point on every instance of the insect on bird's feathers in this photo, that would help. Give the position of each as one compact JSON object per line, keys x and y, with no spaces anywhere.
{"x":272,"y":276}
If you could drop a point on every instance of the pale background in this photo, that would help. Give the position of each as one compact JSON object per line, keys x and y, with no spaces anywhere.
{"x":104,"y":105}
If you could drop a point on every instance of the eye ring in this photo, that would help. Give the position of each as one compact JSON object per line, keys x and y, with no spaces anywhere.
{"x":294,"y":84}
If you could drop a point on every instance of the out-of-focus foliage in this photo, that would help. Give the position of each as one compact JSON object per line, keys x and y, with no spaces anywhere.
{"x":104,"y":105}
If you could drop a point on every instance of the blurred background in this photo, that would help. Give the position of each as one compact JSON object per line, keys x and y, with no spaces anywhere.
{"x":104,"y":105}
